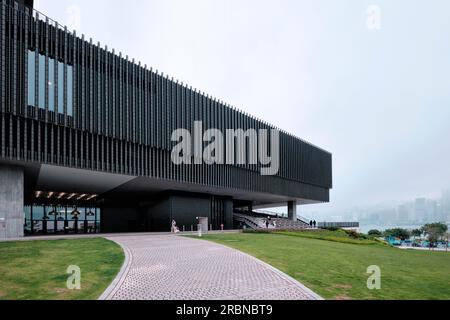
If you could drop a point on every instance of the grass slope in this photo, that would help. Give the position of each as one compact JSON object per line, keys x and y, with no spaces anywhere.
{"x":36,"y":270}
{"x":336,"y":269}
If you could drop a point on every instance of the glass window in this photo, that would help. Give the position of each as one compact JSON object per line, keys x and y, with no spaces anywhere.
{"x":27,"y":210}
{"x":38,"y":212}
{"x":70,"y":91}
{"x":90,"y":214}
{"x":51,"y":84}
{"x":28,"y":222}
{"x":83,"y":213}
{"x":61,"y":87}
{"x":42,"y":85}
{"x":56,"y":106}
{"x":71,"y":211}
{"x":31,"y":78}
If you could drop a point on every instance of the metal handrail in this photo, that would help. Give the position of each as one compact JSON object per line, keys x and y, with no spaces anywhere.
{"x":246,"y":220}
{"x":338,"y":224}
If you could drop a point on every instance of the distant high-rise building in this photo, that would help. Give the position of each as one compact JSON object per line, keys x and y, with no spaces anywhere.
{"x":403,"y":213}
{"x":432,"y":211}
{"x":445,"y":205}
{"x":420,"y":210}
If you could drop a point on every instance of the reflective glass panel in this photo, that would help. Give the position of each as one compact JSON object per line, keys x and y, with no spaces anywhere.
{"x":51,"y":84}
{"x":60,"y":87}
{"x":42,"y":85}
{"x":31,"y":78}
{"x":70,"y":91}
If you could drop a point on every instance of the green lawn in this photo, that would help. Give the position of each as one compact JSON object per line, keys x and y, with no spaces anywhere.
{"x":336,"y":269}
{"x":36,"y":270}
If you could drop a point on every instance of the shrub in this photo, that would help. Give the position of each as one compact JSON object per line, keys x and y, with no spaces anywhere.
{"x":375,"y":233}
{"x":355,"y":235}
{"x":331,"y":228}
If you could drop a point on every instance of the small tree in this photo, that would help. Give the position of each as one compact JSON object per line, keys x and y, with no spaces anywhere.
{"x":402,"y":234}
{"x":375,"y":233}
{"x":416,"y":233}
{"x":434,"y":232}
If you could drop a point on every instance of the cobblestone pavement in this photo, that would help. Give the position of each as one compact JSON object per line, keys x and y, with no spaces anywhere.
{"x":168,"y":267}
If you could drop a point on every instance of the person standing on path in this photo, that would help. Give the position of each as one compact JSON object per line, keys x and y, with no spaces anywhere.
{"x":268,"y":221}
{"x":174,"y":226}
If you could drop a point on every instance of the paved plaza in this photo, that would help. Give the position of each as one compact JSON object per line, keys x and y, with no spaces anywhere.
{"x":169,"y":267}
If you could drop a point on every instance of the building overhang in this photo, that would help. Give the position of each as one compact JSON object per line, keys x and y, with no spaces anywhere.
{"x":48,"y":178}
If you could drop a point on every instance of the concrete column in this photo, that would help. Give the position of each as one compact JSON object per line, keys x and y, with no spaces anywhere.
{"x":292,"y":210}
{"x":12,"y":216}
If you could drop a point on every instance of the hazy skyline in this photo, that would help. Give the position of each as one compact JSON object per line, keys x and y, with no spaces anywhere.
{"x":379,"y":100}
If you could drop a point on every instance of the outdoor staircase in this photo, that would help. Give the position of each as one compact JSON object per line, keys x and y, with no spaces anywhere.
{"x":257,"y":221}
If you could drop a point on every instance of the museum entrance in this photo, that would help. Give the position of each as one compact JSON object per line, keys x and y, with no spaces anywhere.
{"x":53,"y":213}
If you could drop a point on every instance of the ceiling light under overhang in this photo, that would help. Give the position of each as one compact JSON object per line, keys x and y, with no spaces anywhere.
{"x":71,"y":196}
{"x":91,"y":197}
{"x":81,"y":197}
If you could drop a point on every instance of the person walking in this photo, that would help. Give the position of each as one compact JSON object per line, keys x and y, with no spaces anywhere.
{"x":268,"y":221}
{"x":174,"y":226}
{"x":314,"y":224}
{"x":310,"y":223}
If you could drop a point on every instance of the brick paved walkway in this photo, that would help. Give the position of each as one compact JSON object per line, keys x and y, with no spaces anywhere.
{"x":168,"y":267}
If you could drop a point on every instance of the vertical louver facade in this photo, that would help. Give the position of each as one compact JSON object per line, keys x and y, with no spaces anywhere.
{"x":67,"y":101}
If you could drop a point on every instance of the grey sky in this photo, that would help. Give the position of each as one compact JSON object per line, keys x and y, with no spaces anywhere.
{"x":378,"y":100}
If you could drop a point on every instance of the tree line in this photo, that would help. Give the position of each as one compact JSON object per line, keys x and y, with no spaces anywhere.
{"x":434,"y":232}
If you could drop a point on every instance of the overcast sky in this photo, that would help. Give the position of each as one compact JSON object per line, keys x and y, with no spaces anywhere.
{"x":379,"y":100}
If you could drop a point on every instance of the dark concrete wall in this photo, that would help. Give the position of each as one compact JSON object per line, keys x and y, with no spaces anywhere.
{"x":159,"y":216}
{"x":185,"y":210}
{"x":119,"y":220}
{"x":228,"y":214}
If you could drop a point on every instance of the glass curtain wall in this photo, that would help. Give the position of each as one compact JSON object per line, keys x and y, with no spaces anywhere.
{"x":64,"y":83}
{"x":57,"y":219}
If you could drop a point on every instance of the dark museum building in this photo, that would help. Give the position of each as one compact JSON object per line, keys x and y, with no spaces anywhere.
{"x":85,"y":142}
